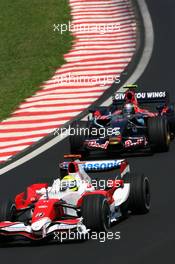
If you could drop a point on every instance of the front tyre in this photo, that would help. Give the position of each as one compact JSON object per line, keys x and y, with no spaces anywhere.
{"x":7,"y":210}
{"x":80,"y":130}
{"x":96,"y":212}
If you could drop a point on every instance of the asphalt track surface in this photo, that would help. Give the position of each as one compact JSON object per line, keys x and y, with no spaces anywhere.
{"x":146,"y":238}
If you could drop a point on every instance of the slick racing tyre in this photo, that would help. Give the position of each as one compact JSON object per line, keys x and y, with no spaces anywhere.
{"x":170,"y":115}
{"x":7,"y":210}
{"x":139,"y":198}
{"x":96,"y":212}
{"x":158,"y":134}
{"x":76,"y":141}
{"x":171,"y":122}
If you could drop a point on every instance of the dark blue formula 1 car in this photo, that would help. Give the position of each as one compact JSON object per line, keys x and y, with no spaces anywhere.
{"x":125,"y":126}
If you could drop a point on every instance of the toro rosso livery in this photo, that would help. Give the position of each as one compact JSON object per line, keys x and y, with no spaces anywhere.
{"x":126,"y":126}
{"x":74,"y":203}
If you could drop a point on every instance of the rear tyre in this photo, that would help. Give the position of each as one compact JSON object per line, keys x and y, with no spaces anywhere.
{"x":139,"y":198}
{"x":171,"y":122}
{"x":158,"y":134}
{"x":7,"y":211}
{"x":96,"y":212}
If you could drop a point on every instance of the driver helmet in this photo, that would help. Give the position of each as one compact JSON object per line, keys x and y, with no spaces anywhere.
{"x":69,"y":182}
{"x":128,"y":109}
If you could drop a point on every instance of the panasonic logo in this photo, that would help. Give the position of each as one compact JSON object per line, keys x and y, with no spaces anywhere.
{"x":100,"y":165}
{"x":96,"y":165}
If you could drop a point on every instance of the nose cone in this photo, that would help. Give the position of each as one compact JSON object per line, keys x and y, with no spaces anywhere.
{"x":38,"y":225}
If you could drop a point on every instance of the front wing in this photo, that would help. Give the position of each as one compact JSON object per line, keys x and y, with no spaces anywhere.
{"x":20,"y":229}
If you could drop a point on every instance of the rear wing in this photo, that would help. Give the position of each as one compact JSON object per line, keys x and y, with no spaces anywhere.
{"x":98,"y":165}
{"x":160,"y":97}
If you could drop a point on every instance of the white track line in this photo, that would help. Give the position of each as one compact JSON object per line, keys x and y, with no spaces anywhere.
{"x":78,"y":57}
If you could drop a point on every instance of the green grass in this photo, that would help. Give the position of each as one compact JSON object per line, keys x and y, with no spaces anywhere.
{"x":30,"y":50}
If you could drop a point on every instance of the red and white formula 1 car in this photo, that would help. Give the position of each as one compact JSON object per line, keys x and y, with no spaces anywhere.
{"x":74,"y":202}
